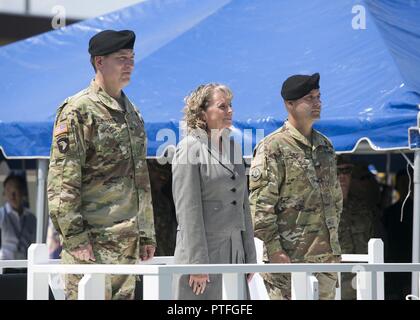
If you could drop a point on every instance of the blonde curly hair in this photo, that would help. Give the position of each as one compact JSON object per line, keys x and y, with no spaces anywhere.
{"x":197,"y":101}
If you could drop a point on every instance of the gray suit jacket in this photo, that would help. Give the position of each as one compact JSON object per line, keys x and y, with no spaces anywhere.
{"x":211,"y":200}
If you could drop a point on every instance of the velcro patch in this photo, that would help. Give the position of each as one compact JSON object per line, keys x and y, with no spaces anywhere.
{"x":63,"y":144}
{"x":60,"y":128}
{"x":255,"y":174}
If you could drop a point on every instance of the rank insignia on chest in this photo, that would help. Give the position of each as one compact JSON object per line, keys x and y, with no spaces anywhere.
{"x":255,"y":174}
{"x":60,"y":128}
{"x":63,"y":144}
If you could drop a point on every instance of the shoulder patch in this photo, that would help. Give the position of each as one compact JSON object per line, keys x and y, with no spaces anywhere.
{"x":255,"y":174}
{"x":60,"y":128}
{"x":63,"y":144}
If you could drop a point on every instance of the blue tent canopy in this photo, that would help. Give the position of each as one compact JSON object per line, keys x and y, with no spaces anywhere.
{"x":369,"y":77}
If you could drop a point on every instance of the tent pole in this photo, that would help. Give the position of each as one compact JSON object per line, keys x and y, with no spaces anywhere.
{"x":388,"y":169}
{"x":40,"y":198}
{"x":416,"y":223}
{"x":27,"y":7}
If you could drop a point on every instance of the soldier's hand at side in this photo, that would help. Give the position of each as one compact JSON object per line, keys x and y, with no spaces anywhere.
{"x":336,"y":259}
{"x":147,"y":252}
{"x":84,"y":253}
{"x":279,"y":257}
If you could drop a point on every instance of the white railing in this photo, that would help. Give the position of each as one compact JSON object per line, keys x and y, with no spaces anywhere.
{"x":55,"y":281}
{"x":158,"y":275}
{"x":4,"y":264}
{"x":375,"y":255}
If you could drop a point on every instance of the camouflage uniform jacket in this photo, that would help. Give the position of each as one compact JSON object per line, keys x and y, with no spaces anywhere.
{"x":356,"y":225}
{"x":98,"y":175}
{"x":296,"y":200}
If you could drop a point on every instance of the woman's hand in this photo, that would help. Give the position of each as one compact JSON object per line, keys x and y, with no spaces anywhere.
{"x":198,"y":282}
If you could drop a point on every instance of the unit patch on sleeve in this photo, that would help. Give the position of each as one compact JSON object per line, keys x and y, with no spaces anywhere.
{"x":255,"y":174}
{"x":63,"y":144}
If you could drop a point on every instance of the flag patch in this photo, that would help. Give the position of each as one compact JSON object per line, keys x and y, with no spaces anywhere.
{"x":60,"y":128}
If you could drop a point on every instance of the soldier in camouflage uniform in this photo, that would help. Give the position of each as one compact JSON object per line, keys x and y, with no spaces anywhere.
{"x":98,"y":183}
{"x":359,"y":211}
{"x":163,"y":207}
{"x":295,"y":197}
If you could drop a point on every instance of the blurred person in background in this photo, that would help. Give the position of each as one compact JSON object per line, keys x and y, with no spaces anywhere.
{"x":360,"y":209}
{"x":17,"y":223}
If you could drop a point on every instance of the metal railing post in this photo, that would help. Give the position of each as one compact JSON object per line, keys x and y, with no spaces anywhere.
{"x":415,"y":280}
{"x":40,"y":199}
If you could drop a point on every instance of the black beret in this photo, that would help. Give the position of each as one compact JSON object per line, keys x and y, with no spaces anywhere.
{"x":297,"y":86}
{"x":109,"y":41}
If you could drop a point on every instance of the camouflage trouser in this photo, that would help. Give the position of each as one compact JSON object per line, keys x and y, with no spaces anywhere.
{"x":117,"y":287}
{"x":347,"y":290}
{"x":279,"y":285}
{"x":111,"y":246}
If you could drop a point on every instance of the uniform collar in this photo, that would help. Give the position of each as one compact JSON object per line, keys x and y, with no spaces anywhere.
{"x":316,"y":137}
{"x":297,"y":135}
{"x":99,"y":95}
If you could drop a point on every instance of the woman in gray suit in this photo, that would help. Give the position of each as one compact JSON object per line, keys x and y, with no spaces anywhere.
{"x":210,"y":194}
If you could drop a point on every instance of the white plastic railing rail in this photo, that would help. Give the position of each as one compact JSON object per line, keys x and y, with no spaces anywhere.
{"x":158,"y":276}
{"x":4,"y":264}
{"x":55,"y":281}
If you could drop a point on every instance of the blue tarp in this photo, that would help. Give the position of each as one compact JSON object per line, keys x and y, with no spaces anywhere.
{"x":369,"y":77}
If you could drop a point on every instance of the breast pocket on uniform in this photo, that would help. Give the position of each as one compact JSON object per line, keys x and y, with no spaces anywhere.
{"x":138,"y":134}
{"x":300,"y":171}
{"x":328,"y":170}
{"x":113,"y":140}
